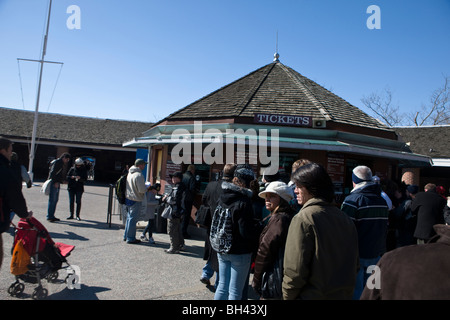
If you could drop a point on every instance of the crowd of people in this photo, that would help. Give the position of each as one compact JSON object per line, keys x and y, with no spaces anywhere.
{"x":380,"y":243}
{"x":300,"y":244}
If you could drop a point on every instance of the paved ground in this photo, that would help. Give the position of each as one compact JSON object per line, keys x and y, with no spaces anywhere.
{"x":110,"y":268}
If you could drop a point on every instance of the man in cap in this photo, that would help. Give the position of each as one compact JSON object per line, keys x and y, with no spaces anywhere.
{"x":135,"y":194}
{"x":369,"y":211}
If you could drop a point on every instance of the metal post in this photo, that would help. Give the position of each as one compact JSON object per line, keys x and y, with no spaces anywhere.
{"x":33,"y":136}
{"x":110,"y":202}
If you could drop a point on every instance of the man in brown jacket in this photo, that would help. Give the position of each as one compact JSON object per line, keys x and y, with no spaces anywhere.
{"x":321,"y":257}
{"x":417,"y":272}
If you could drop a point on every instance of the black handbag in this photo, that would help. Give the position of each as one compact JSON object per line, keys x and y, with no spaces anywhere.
{"x":203,"y":216}
{"x":271,"y":280}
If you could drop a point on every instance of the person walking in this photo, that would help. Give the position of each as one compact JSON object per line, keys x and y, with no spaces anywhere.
{"x":176,"y":201}
{"x":233,"y":234}
{"x":76,"y":177}
{"x":321,"y":256}
{"x":135,"y":194}
{"x":272,"y":240}
{"x":11,"y":197}
{"x":369,"y":211}
{"x":57,"y":177}
{"x":428,"y":206}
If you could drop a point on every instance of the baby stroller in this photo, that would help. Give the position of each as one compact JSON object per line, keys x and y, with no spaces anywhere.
{"x":43,"y":257}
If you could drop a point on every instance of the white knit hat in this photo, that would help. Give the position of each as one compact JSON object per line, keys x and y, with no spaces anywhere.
{"x":279,"y":188}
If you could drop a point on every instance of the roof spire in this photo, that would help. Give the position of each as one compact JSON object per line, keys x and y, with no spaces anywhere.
{"x":276,"y":55}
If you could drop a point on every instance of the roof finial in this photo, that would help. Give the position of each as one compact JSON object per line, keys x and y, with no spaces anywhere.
{"x":276,"y":55}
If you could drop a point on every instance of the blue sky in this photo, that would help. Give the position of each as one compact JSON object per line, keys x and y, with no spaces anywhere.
{"x":144,"y":59}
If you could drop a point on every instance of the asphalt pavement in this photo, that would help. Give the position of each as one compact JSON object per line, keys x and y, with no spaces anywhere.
{"x":108,"y":268}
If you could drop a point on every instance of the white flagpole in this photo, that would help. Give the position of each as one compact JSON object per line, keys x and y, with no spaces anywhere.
{"x":36,"y":112}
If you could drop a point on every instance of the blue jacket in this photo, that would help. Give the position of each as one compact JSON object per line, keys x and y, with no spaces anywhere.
{"x":369,"y":212}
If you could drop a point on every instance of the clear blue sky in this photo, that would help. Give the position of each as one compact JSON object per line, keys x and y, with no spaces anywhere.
{"x":144,"y":59}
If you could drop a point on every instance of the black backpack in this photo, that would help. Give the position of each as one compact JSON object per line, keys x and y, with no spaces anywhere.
{"x":121,"y":188}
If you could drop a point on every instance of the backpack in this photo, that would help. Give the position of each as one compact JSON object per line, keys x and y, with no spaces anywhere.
{"x":121,"y":188}
{"x":221,"y":234}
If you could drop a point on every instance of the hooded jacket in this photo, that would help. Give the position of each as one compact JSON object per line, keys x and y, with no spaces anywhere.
{"x":135,"y":185}
{"x":244,"y":235}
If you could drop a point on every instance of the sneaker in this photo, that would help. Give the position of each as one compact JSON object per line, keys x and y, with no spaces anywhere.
{"x":205,"y":281}
{"x":151,"y":241}
{"x":143,"y":237}
{"x":171,"y":251}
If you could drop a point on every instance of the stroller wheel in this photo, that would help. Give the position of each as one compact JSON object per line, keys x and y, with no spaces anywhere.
{"x":39,"y":293}
{"x":52,"y":277}
{"x":16,"y":288}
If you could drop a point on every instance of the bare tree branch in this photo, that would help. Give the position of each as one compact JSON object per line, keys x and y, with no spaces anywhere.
{"x":437,"y":112}
{"x":381,"y":106}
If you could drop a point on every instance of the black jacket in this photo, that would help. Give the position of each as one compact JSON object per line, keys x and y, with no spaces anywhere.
{"x":190,"y":186}
{"x":429,"y":208}
{"x":244,"y":231}
{"x":56,"y":171}
{"x":74,"y":185}
{"x":11,"y":197}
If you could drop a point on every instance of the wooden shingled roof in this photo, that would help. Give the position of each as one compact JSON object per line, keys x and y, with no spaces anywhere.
{"x":432,"y":141}
{"x":274,"y":89}
{"x":63,"y":128}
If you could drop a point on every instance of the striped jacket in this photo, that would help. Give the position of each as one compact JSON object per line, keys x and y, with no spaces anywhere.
{"x":369,"y":212}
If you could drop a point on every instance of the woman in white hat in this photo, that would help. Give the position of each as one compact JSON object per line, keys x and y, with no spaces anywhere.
{"x":268,"y":273}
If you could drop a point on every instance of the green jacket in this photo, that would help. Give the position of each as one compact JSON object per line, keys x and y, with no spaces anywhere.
{"x":321,"y":257}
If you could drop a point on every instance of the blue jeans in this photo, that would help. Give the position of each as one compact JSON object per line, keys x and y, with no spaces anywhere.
{"x":361,"y":278}
{"x":53,"y":198}
{"x":133,"y":213}
{"x":233,"y":271}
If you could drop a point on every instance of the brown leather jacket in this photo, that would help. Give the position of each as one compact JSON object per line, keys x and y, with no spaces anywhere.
{"x":271,"y":241}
